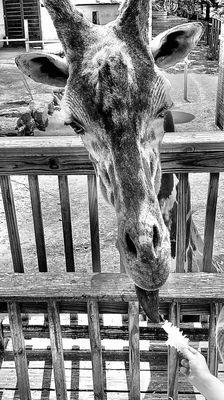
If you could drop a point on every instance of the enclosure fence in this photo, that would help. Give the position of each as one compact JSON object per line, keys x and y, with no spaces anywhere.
{"x":98,"y":292}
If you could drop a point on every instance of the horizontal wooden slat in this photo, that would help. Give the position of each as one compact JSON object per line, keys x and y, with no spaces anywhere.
{"x":185,"y":288}
{"x":113,"y":332}
{"x":180,"y":152}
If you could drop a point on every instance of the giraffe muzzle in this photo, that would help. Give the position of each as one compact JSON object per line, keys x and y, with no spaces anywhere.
{"x":145,"y":254}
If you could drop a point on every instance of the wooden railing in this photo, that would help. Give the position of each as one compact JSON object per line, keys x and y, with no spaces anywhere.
{"x":98,"y":293}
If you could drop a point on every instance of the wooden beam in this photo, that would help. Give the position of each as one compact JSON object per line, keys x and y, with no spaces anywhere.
{"x":134,"y":350}
{"x":96,"y":349}
{"x":187,"y":288}
{"x":94,"y":222}
{"x":66,"y":222}
{"x":57,"y":351}
{"x":38,"y":222}
{"x":13,"y":232}
{"x":19,"y":350}
{"x":180,"y":152}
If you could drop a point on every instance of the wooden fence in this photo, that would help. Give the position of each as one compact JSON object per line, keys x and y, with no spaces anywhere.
{"x":98,"y":293}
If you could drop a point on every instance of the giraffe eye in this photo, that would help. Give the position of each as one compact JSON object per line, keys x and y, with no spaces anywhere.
{"x":77,"y":126}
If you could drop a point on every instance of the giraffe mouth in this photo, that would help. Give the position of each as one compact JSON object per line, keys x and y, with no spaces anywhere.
{"x":149,"y":301}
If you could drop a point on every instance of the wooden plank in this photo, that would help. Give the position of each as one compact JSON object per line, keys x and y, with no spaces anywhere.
{"x":38,"y":222}
{"x":188,"y":288}
{"x":148,"y":332}
{"x":210,"y":222}
{"x":212,"y":347}
{"x":57,"y":351}
{"x":173,"y":359}
{"x":134,"y":351}
{"x":10,"y":214}
{"x":66,"y":222}
{"x":96,"y":350}
{"x":182,"y":202}
{"x":19,"y":350}
{"x":94,"y":223}
{"x":180,"y":152}
{"x":156,"y":356}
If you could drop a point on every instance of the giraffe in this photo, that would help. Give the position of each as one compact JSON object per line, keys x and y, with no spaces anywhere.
{"x":115,"y":99}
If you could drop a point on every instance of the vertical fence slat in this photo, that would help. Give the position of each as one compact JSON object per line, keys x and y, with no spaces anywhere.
{"x":134,"y":353}
{"x":57,"y":351}
{"x":94,"y":222}
{"x":38,"y":222}
{"x":212,"y":346}
{"x":15,"y":321}
{"x":66,"y":222}
{"x":10,"y":213}
{"x":219,"y":114}
{"x":173,"y":364}
{"x":96,"y":350}
{"x":210,"y":221}
{"x":182,"y":198}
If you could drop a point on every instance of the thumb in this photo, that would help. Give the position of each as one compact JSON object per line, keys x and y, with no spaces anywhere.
{"x":188,"y":352}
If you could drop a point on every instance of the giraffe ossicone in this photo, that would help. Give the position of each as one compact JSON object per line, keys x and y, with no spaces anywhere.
{"x":116,"y":97}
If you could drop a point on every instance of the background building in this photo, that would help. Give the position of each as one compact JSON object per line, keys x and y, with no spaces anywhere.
{"x":13,"y":13}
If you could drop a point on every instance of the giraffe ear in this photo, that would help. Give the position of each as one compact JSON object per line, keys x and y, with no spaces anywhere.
{"x":173,"y":45}
{"x":44,"y":68}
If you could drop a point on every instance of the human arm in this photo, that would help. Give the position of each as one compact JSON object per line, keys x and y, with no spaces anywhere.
{"x":194,"y":367}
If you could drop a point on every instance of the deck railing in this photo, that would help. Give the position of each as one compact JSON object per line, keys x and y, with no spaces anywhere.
{"x":97,"y":293}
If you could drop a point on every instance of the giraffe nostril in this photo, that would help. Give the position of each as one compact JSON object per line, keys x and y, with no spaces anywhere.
{"x":130,"y":245}
{"x":155,"y":237}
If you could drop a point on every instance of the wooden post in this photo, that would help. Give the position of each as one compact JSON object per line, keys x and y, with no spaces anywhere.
{"x":26,"y":31}
{"x":134,"y":353}
{"x":212,"y":347}
{"x":219,"y":116}
{"x":96,"y":349}
{"x":15,"y":321}
{"x":173,"y":364}
{"x":38,"y":222}
{"x":182,"y":201}
{"x":94,"y":222}
{"x":57,"y":351}
{"x":210,"y":222}
{"x":66,"y":222}
{"x":13,"y":232}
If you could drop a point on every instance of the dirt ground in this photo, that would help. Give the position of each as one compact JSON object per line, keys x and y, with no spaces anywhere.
{"x":202,"y":85}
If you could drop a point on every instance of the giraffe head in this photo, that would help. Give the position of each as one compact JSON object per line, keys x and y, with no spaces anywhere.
{"x":115,"y":98}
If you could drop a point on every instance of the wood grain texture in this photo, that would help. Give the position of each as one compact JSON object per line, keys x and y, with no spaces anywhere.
{"x":15,"y":321}
{"x":151,"y":332}
{"x":66,"y":222}
{"x":212,"y":347}
{"x":96,"y":350}
{"x":187,"y":288}
{"x":134,"y":350}
{"x":173,"y":358}
{"x":182,"y":202}
{"x":180,"y":152}
{"x":38,"y":222}
{"x":210,"y":217}
{"x":10,"y":214}
{"x":94,"y":223}
{"x":57,"y":351}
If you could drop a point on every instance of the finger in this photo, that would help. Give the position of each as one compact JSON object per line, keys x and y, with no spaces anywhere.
{"x":192,"y":350}
{"x":187,"y":353}
{"x":185,"y":363}
{"x":184,"y":371}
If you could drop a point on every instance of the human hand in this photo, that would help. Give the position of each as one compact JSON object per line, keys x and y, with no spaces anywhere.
{"x":193,"y":365}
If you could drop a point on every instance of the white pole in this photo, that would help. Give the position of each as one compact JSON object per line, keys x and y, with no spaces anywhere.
{"x":26,"y":31}
{"x":185,"y":78}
